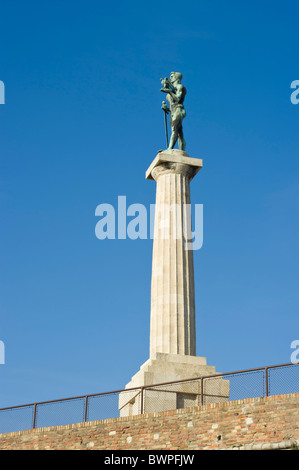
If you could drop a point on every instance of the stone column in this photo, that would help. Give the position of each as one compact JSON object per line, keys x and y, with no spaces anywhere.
{"x":172,"y":328}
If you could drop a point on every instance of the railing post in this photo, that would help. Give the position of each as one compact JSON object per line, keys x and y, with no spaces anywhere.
{"x":266,"y":379}
{"x":34,"y":416}
{"x":201,"y":391}
{"x":86,"y":408}
{"x":141,"y":400}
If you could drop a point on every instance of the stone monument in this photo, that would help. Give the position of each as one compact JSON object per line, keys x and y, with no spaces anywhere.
{"x":172,"y":321}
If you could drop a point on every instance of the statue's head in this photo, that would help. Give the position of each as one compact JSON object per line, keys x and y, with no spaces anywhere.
{"x":176,"y":77}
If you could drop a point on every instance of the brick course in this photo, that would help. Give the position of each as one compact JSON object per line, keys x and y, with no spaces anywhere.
{"x":254,"y":423}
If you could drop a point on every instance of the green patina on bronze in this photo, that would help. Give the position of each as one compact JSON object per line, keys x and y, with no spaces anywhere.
{"x":176,"y":93}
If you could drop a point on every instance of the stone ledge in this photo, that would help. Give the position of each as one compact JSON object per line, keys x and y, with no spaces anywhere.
{"x":282,"y":445}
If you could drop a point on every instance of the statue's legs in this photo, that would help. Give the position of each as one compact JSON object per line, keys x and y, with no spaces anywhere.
{"x":173,"y":138}
{"x":177,"y":130}
{"x":182,"y":142}
{"x":177,"y":135}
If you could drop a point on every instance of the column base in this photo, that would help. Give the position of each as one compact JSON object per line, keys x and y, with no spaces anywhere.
{"x":167,"y":368}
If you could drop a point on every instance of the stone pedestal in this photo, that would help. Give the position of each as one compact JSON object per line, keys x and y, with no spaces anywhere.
{"x":172,"y":322}
{"x":161,"y":368}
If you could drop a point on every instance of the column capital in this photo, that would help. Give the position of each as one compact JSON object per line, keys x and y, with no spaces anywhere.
{"x":173,"y":161}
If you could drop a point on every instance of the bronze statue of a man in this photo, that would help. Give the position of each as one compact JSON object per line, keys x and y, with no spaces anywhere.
{"x":176,"y":93}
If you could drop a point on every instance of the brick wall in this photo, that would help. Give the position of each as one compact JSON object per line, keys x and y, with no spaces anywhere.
{"x":271,"y":422}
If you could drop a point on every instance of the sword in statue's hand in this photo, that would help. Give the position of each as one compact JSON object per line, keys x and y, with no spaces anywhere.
{"x":166,"y":111}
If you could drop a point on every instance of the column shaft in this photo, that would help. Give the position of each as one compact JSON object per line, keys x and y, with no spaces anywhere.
{"x":172,"y":328}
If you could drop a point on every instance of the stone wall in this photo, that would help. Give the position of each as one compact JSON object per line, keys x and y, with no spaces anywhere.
{"x":254,"y":423}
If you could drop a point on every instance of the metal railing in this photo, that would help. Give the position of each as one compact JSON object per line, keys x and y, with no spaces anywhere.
{"x":250,"y":383}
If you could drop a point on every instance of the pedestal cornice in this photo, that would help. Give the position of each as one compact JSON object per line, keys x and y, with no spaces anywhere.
{"x":173,"y":161}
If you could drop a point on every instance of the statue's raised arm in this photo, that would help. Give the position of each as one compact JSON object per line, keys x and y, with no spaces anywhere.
{"x":176,"y":93}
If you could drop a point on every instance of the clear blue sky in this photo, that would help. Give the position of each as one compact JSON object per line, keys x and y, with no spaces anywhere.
{"x":82,"y":123}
